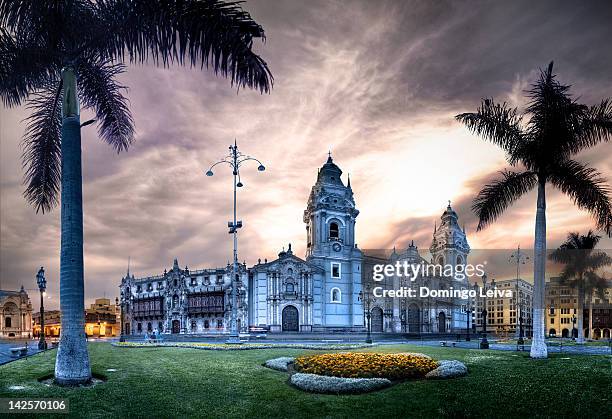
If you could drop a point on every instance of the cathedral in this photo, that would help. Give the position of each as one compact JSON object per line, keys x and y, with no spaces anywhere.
{"x":320,"y":293}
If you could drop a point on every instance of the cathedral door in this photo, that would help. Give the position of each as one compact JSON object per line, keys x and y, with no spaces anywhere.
{"x":377,"y":320}
{"x":442,"y":322}
{"x":414,"y":321}
{"x":290,"y":319}
{"x":176,"y":326}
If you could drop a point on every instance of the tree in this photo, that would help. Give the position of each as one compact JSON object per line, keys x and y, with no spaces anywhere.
{"x":555,"y":129}
{"x":52,"y":51}
{"x":581,"y":265}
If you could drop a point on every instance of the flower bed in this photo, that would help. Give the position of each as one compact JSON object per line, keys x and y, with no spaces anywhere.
{"x":336,"y":385}
{"x":234,"y":347}
{"x":279,"y":364}
{"x":366,"y":365}
{"x":448,"y":369}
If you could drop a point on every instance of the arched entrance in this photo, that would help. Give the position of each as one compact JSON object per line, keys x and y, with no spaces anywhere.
{"x":552,"y":332}
{"x":414,"y":319}
{"x":596,"y":334}
{"x":564,"y":333}
{"x":176,"y":326}
{"x":290,"y":319}
{"x":377,"y":320}
{"x":442,"y":322}
{"x":606,"y":334}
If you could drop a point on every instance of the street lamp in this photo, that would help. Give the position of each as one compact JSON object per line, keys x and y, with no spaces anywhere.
{"x":368,"y":300}
{"x":235,"y":159}
{"x":484,"y":343}
{"x":574,"y":326}
{"x":42,"y":286}
{"x":519,"y":258}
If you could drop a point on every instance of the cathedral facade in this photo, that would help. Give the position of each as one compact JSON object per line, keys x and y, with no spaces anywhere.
{"x":327,"y":290}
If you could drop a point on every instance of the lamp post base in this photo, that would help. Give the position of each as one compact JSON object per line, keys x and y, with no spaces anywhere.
{"x":521,"y":341}
{"x":121,"y":338}
{"x":484,"y":343}
{"x":42,"y":344}
{"x":233,"y":340}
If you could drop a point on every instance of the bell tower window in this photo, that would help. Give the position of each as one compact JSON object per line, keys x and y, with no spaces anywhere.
{"x":334,"y":231}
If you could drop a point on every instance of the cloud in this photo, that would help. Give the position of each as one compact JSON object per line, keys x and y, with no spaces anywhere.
{"x":376,"y":83}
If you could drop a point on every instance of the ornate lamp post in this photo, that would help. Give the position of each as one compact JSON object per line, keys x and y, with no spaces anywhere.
{"x":368,"y":300}
{"x":235,"y":159}
{"x":574,"y":326}
{"x":484,"y":343}
{"x":469,"y":315}
{"x":519,"y":258}
{"x":42,"y":286}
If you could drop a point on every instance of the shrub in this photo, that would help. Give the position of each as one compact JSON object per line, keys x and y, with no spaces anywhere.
{"x":448,"y":369}
{"x":366,"y":365}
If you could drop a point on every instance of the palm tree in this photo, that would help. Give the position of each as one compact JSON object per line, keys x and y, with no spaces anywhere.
{"x":556,"y":128}
{"x":73,"y":51}
{"x":581,"y":264}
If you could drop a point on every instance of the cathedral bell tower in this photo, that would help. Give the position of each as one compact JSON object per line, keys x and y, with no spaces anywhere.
{"x":449,"y":245}
{"x":330,"y":243}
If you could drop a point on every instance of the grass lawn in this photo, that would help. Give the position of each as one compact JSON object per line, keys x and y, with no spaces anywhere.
{"x":176,"y":382}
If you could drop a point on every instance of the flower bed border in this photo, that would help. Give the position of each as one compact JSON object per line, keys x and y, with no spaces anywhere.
{"x":243,"y":346}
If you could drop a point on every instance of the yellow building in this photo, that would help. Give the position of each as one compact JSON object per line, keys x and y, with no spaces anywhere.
{"x":561,"y":311}
{"x":503,"y":313}
{"x":102,"y":319}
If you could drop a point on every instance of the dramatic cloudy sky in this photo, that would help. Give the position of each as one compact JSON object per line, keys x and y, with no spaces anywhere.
{"x":377,"y":83}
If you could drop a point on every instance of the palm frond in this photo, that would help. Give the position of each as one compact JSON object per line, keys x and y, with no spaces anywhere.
{"x":206,"y":33}
{"x":25,"y":67}
{"x":496,"y":196}
{"x":495,"y":122}
{"x":41,"y":148}
{"x":587,"y":188}
{"x":595,"y":127}
{"x":100,"y":91}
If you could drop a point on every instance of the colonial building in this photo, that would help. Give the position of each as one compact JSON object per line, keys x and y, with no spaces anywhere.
{"x":418,"y":315}
{"x":321,"y":292}
{"x":15,"y":314}
{"x":562,"y":307}
{"x":503,"y":314}
{"x":101,"y":320}
{"x":182,"y":301}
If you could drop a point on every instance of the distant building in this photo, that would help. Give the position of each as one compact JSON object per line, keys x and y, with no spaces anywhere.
{"x":101,"y":320}
{"x":15,"y":314}
{"x":562,"y":306}
{"x":321,"y":292}
{"x":503,"y":314}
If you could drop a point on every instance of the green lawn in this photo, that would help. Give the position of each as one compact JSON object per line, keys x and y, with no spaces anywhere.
{"x":175,"y":382}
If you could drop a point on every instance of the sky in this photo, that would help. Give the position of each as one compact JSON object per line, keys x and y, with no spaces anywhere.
{"x":375,"y":83}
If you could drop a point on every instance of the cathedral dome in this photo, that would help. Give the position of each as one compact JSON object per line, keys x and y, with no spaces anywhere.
{"x":330,"y":172}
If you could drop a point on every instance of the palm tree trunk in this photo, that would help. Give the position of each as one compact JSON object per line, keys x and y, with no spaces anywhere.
{"x":538,"y":345}
{"x":590,"y":336}
{"x":72,"y":361}
{"x":580,"y":312}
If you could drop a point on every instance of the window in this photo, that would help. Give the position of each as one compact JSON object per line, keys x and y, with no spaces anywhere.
{"x":336,"y":295}
{"x":334,"y":231}
{"x":206,"y":324}
{"x":175,"y":301}
{"x":335,"y":270}
{"x":7,"y":322}
{"x":139,"y":327}
{"x":289,"y":288}
{"x":160,"y":327}
{"x":193,"y":325}
{"x":149,"y":327}
{"x":219,"y":324}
